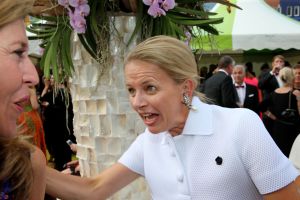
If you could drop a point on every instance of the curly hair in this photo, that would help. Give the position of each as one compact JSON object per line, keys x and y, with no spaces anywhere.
{"x":15,"y":167}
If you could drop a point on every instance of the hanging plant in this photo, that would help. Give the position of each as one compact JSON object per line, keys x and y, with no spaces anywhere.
{"x":90,"y":21}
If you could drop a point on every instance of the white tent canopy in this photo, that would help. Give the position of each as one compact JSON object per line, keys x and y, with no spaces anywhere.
{"x":257,"y":26}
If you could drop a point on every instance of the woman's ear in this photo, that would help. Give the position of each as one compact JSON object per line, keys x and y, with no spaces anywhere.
{"x":189,"y":87}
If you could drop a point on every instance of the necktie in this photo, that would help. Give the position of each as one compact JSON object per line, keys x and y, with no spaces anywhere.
{"x":239,"y":86}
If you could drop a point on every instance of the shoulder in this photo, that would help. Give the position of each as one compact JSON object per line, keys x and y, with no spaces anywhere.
{"x":251,"y":87}
{"x":237,"y":115}
{"x":38,"y":159}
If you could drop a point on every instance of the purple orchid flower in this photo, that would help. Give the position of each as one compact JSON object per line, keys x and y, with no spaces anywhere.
{"x":82,"y":10}
{"x":155,"y":10}
{"x":76,"y":3}
{"x":188,"y":38}
{"x":168,"y":4}
{"x":77,"y":22}
{"x":148,"y":2}
{"x":64,"y":3}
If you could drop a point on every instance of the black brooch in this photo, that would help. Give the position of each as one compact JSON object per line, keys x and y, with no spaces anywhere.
{"x":219,"y":160}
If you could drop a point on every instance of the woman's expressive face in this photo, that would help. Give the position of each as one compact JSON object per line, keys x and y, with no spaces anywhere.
{"x":156,"y":97}
{"x":17,"y":74}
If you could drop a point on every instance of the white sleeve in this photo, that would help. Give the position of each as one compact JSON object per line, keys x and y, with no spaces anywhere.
{"x":295,"y":153}
{"x":267,"y":166}
{"x":133,"y":158}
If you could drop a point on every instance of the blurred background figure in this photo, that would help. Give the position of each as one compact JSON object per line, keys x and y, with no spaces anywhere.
{"x":297,"y":77}
{"x":30,"y":124}
{"x":263,"y":69}
{"x":202,"y":74}
{"x":247,"y":95}
{"x":295,"y":151}
{"x":250,"y":76}
{"x":268,"y":82}
{"x":211,"y":69}
{"x":219,"y":87}
{"x":58,"y":121}
{"x":284,"y":127}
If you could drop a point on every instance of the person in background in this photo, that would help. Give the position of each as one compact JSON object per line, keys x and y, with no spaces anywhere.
{"x":219,"y":87}
{"x":263,"y":69}
{"x":296,"y":70}
{"x":247,"y":95}
{"x":211,"y":69}
{"x":251,"y":79}
{"x":30,"y":123}
{"x":202,"y":74}
{"x":250,"y":76}
{"x":22,"y":166}
{"x":190,"y":149}
{"x":295,"y":151}
{"x":58,"y":121}
{"x":284,"y":130}
{"x":268,"y":82}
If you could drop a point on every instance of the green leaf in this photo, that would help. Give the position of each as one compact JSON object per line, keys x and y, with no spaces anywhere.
{"x":189,"y":11}
{"x":197,"y":22}
{"x":47,"y":61}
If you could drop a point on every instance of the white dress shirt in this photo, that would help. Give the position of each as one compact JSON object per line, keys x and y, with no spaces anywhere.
{"x":241,"y":91}
{"x":222,"y":154}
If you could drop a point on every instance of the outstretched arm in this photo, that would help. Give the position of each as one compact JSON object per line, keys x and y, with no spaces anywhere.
{"x":291,"y":192}
{"x":38,"y":163}
{"x":99,"y":187}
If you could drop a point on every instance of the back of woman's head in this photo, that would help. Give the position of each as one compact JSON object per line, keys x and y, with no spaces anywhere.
{"x":10,"y":10}
{"x":170,"y":54}
{"x":287,"y":76}
{"x":15,"y":167}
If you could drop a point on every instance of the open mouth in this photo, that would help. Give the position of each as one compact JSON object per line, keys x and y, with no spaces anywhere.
{"x":21,"y":103}
{"x":149,"y":116}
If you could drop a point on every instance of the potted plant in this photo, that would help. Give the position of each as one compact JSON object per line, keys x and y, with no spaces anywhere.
{"x":57,"y":20}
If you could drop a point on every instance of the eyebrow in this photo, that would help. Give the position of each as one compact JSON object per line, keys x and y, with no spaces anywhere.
{"x":23,"y":44}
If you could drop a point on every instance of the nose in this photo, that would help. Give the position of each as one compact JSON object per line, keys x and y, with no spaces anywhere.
{"x":138,"y":101}
{"x":30,"y":76}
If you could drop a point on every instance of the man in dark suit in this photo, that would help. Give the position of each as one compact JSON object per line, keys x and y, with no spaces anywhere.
{"x":247,"y":95}
{"x":268,"y":82}
{"x":219,"y":87}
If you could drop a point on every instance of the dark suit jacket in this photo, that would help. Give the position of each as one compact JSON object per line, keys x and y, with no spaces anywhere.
{"x":267,"y":83}
{"x":251,"y":99}
{"x":220,"y":89}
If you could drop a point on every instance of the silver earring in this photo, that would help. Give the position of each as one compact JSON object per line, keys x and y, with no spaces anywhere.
{"x":187,"y":102}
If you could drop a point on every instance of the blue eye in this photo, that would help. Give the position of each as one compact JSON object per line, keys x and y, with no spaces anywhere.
{"x":151,"y":89}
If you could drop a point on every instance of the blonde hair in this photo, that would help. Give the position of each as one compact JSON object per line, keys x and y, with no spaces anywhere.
{"x":11,"y":10}
{"x":15,"y":167}
{"x":171,"y":55}
{"x":281,"y":57}
{"x":286,"y":74}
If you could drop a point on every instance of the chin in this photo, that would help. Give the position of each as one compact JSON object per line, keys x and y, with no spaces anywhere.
{"x":154,"y":130}
{"x":10,"y":131}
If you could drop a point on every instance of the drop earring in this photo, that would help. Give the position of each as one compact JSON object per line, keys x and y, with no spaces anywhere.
{"x":187,"y":102}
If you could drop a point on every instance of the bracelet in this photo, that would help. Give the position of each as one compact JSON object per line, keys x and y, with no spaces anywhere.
{"x":269,"y":113}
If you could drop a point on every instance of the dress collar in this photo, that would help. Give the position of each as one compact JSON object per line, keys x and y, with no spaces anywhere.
{"x":222,"y":70}
{"x":199,"y":122}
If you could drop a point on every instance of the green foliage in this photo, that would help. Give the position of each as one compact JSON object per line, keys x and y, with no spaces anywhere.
{"x":55,"y":31}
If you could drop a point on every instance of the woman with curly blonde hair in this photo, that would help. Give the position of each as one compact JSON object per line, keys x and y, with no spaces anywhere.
{"x":22,"y":167}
